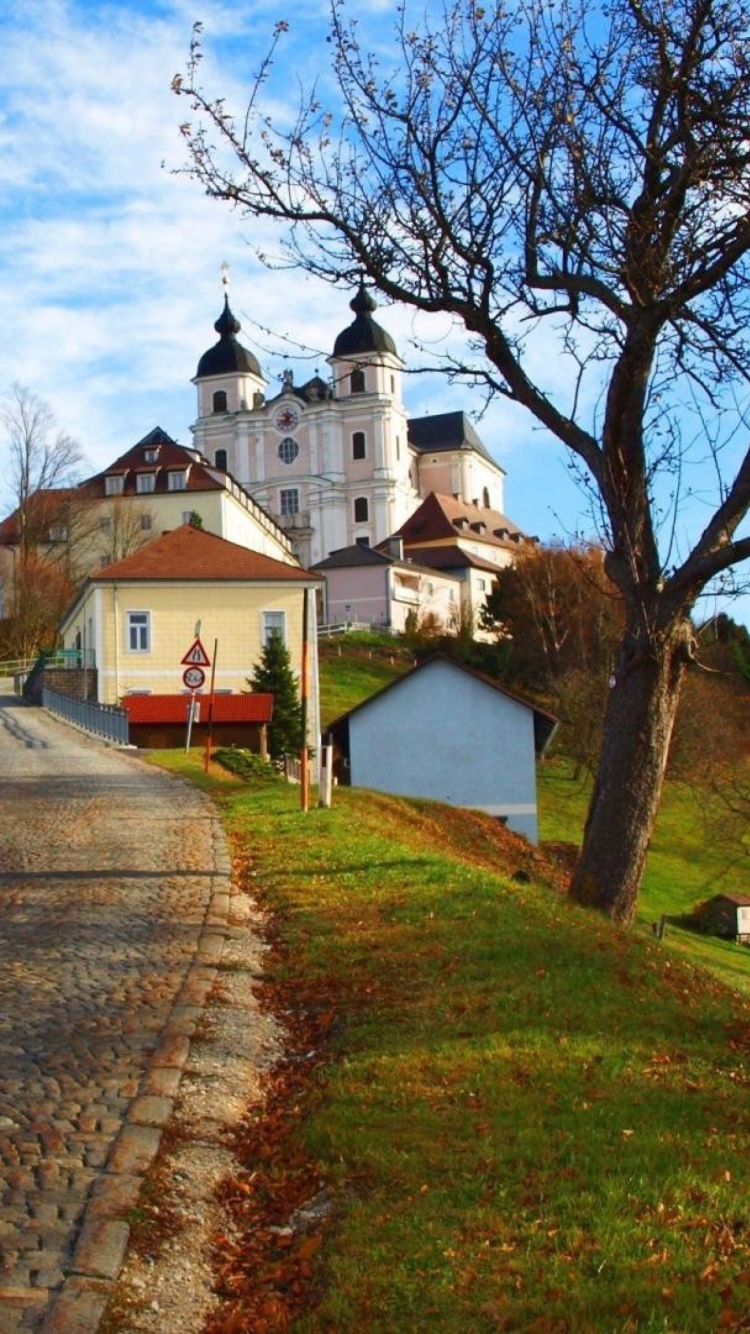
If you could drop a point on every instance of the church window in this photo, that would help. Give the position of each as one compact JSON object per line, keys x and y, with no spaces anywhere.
{"x":361,"y":509}
{"x":177,"y":480}
{"x":220,"y":459}
{"x":145,"y":483}
{"x":288,"y":449}
{"x":486,"y":498}
{"x":358,"y":445}
{"x":398,"y":446}
{"x":357,"y":382}
{"x":393,"y":384}
{"x":114,"y":485}
{"x":220,"y":400}
{"x":289,"y":500}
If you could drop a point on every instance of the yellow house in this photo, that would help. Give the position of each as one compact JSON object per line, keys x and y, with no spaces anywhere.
{"x":134,"y":621}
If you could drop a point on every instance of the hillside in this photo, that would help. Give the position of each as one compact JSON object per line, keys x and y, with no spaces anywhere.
{"x":497,"y":1111}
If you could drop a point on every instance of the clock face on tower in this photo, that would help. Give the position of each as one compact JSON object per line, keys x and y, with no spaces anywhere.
{"x":286,"y":419}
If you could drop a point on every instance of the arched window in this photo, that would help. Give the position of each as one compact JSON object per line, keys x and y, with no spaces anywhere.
{"x":220,"y":459}
{"x":358,"y":445}
{"x":220,"y":400}
{"x":361,"y":509}
{"x":288,"y":449}
{"x":486,"y":498}
{"x":357,"y":382}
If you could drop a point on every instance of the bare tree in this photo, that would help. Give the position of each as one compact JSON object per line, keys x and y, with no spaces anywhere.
{"x":577,"y":174}
{"x":40,"y":471}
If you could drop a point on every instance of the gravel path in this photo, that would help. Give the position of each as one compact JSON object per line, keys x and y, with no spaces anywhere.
{"x":115,"y":893}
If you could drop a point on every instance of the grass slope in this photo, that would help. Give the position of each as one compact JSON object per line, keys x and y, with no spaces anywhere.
{"x":350,"y":672}
{"x":686,"y":864}
{"x":524,"y":1119}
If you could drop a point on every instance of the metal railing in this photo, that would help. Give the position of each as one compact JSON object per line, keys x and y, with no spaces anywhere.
{"x":104,"y":720}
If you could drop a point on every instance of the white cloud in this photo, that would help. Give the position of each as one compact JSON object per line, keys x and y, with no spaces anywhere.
{"x":110,"y":264}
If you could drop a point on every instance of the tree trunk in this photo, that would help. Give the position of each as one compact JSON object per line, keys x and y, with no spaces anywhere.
{"x":643,"y":698}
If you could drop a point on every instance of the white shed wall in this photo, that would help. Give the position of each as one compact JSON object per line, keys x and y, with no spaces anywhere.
{"x":444,"y":735}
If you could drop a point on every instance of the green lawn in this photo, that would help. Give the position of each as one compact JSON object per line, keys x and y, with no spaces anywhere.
{"x":353,"y":676}
{"x":524,"y":1118}
{"x":685,"y":865}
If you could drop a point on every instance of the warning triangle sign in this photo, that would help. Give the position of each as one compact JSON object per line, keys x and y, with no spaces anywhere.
{"x":196,"y":656}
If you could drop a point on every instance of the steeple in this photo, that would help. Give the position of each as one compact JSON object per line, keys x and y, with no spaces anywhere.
{"x":228,"y":356}
{"x":363,"y":335}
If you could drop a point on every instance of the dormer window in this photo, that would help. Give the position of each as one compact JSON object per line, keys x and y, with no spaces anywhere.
{"x":114,"y":485}
{"x":177,"y":479}
{"x":150,"y":454}
{"x":145,"y":483}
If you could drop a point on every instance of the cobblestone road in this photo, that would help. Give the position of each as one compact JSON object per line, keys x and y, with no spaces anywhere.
{"x":114,"y":891}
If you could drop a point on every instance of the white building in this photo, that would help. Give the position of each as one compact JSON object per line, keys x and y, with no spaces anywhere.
{"x":335,"y":461}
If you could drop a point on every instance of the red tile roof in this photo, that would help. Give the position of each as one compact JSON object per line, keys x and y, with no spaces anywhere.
{"x":439,"y":517}
{"x":190,"y":554}
{"x":174,"y":708}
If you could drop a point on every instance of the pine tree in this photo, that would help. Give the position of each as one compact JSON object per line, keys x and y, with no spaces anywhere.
{"x":274,"y":676}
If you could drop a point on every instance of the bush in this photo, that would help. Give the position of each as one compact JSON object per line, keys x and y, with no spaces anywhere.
{"x":246,"y":764}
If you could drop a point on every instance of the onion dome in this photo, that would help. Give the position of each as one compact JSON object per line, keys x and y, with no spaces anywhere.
{"x":364,"y":335}
{"x":227,"y":357}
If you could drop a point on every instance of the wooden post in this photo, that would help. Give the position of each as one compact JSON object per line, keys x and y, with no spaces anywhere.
{"x":304,"y":778}
{"x":209,"y":730}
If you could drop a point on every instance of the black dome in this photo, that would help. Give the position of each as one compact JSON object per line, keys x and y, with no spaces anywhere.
{"x":227,"y":356}
{"x":364,"y":335}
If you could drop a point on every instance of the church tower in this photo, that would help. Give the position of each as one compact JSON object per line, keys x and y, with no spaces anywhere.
{"x":329,"y":460}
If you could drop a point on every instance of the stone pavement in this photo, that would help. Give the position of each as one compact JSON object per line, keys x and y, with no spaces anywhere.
{"x":114,"y":895}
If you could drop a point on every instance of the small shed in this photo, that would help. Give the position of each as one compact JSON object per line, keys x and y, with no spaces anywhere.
{"x":160,"y":721}
{"x":449,"y":733}
{"x":728,"y":916}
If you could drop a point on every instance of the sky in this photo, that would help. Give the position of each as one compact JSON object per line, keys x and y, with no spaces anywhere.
{"x":111,"y":264}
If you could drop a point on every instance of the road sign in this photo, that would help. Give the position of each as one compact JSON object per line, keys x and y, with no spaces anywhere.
{"x":196,"y":656}
{"x":194,"y":677}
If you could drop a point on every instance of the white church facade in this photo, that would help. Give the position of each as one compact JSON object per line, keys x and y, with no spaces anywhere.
{"x":336,"y":462}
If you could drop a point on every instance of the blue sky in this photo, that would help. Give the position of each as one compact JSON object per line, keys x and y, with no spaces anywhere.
{"x":110,"y":267}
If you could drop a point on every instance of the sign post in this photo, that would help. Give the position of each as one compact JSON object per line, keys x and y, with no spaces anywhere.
{"x":209,"y":729}
{"x":194,"y":677}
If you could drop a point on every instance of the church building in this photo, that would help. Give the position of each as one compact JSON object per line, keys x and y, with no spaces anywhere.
{"x":335,"y":461}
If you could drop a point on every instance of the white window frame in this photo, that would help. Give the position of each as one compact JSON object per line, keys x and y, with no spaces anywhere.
{"x":272,"y":622}
{"x":114,"y":484}
{"x":177,"y":479}
{"x":145,"y":483}
{"x":284,"y":494}
{"x":138,"y":631}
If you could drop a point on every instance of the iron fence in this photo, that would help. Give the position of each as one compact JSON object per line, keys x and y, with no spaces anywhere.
{"x":104,"y":720}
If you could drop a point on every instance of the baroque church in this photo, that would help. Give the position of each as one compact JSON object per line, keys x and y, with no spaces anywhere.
{"x":337,"y":462}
